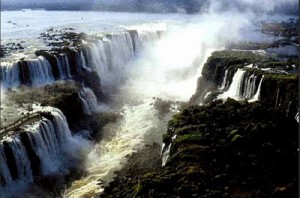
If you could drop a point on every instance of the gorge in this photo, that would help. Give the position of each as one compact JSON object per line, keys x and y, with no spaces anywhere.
{"x":150,"y":109}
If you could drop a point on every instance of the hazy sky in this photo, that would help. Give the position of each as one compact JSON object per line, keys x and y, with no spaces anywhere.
{"x":154,"y":5}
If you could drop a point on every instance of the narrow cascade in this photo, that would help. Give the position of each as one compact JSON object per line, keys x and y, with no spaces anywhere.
{"x":89,"y":100}
{"x":277,"y":104}
{"x":297,"y":117}
{"x":235,"y":89}
{"x":257,"y":94}
{"x":166,"y":151}
{"x":36,"y":151}
{"x":63,"y":65}
{"x":224,"y":82}
{"x":81,"y":60}
{"x":206,"y":95}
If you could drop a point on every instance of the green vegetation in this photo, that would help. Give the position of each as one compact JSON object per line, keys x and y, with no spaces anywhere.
{"x":62,"y":95}
{"x":237,"y":149}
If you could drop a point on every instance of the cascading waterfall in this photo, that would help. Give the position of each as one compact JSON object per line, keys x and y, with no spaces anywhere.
{"x":40,"y":71}
{"x":224,"y":82}
{"x":166,"y":151}
{"x":108,"y":56}
{"x":257,"y":94}
{"x":10,"y":74}
{"x":89,"y":100}
{"x":249,"y":86}
{"x":243,"y":86}
{"x":64,"y":67}
{"x":81,"y":60}
{"x":33,"y":72}
{"x":144,"y":38}
{"x":96,"y":57}
{"x":234,"y":91}
{"x":5,"y":176}
{"x":37,"y":150}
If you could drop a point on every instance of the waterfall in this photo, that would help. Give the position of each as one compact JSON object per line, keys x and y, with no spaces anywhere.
{"x":235,"y":89}
{"x":249,"y":86}
{"x":10,"y":74}
{"x":98,"y":59}
{"x":224,"y":82}
{"x":257,"y":94}
{"x":108,"y":56}
{"x":5,"y":176}
{"x":277,"y":97}
{"x":88,"y":100}
{"x":40,"y":71}
{"x":145,"y":38}
{"x":297,"y":116}
{"x":118,"y":51}
{"x":166,"y":153}
{"x":34,"y":72}
{"x":81,"y":61}
{"x":243,"y":86}
{"x":35,"y":151}
{"x":63,"y":64}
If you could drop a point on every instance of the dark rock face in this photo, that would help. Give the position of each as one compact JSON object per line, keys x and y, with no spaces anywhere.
{"x":24,"y":72}
{"x":281,"y":92}
{"x":92,"y":80}
{"x":11,"y":162}
{"x":52,"y":60}
{"x":35,"y":161}
{"x":229,"y":149}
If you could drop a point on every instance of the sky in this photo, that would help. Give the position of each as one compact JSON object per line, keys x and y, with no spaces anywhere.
{"x":189,"y":6}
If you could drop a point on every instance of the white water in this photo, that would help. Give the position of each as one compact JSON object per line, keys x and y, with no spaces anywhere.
{"x":257,"y":94}
{"x":108,"y":56}
{"x":223,"y":86}
{"x":9,"y":74}
{"x":250,"y":91}
{"x":89,"y":100}
{"x":120,"y":140}
{"x":234,"y":91}
{"x":50,"y":140}
{"x":166,"y":153}
{"x":39,"y":70}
